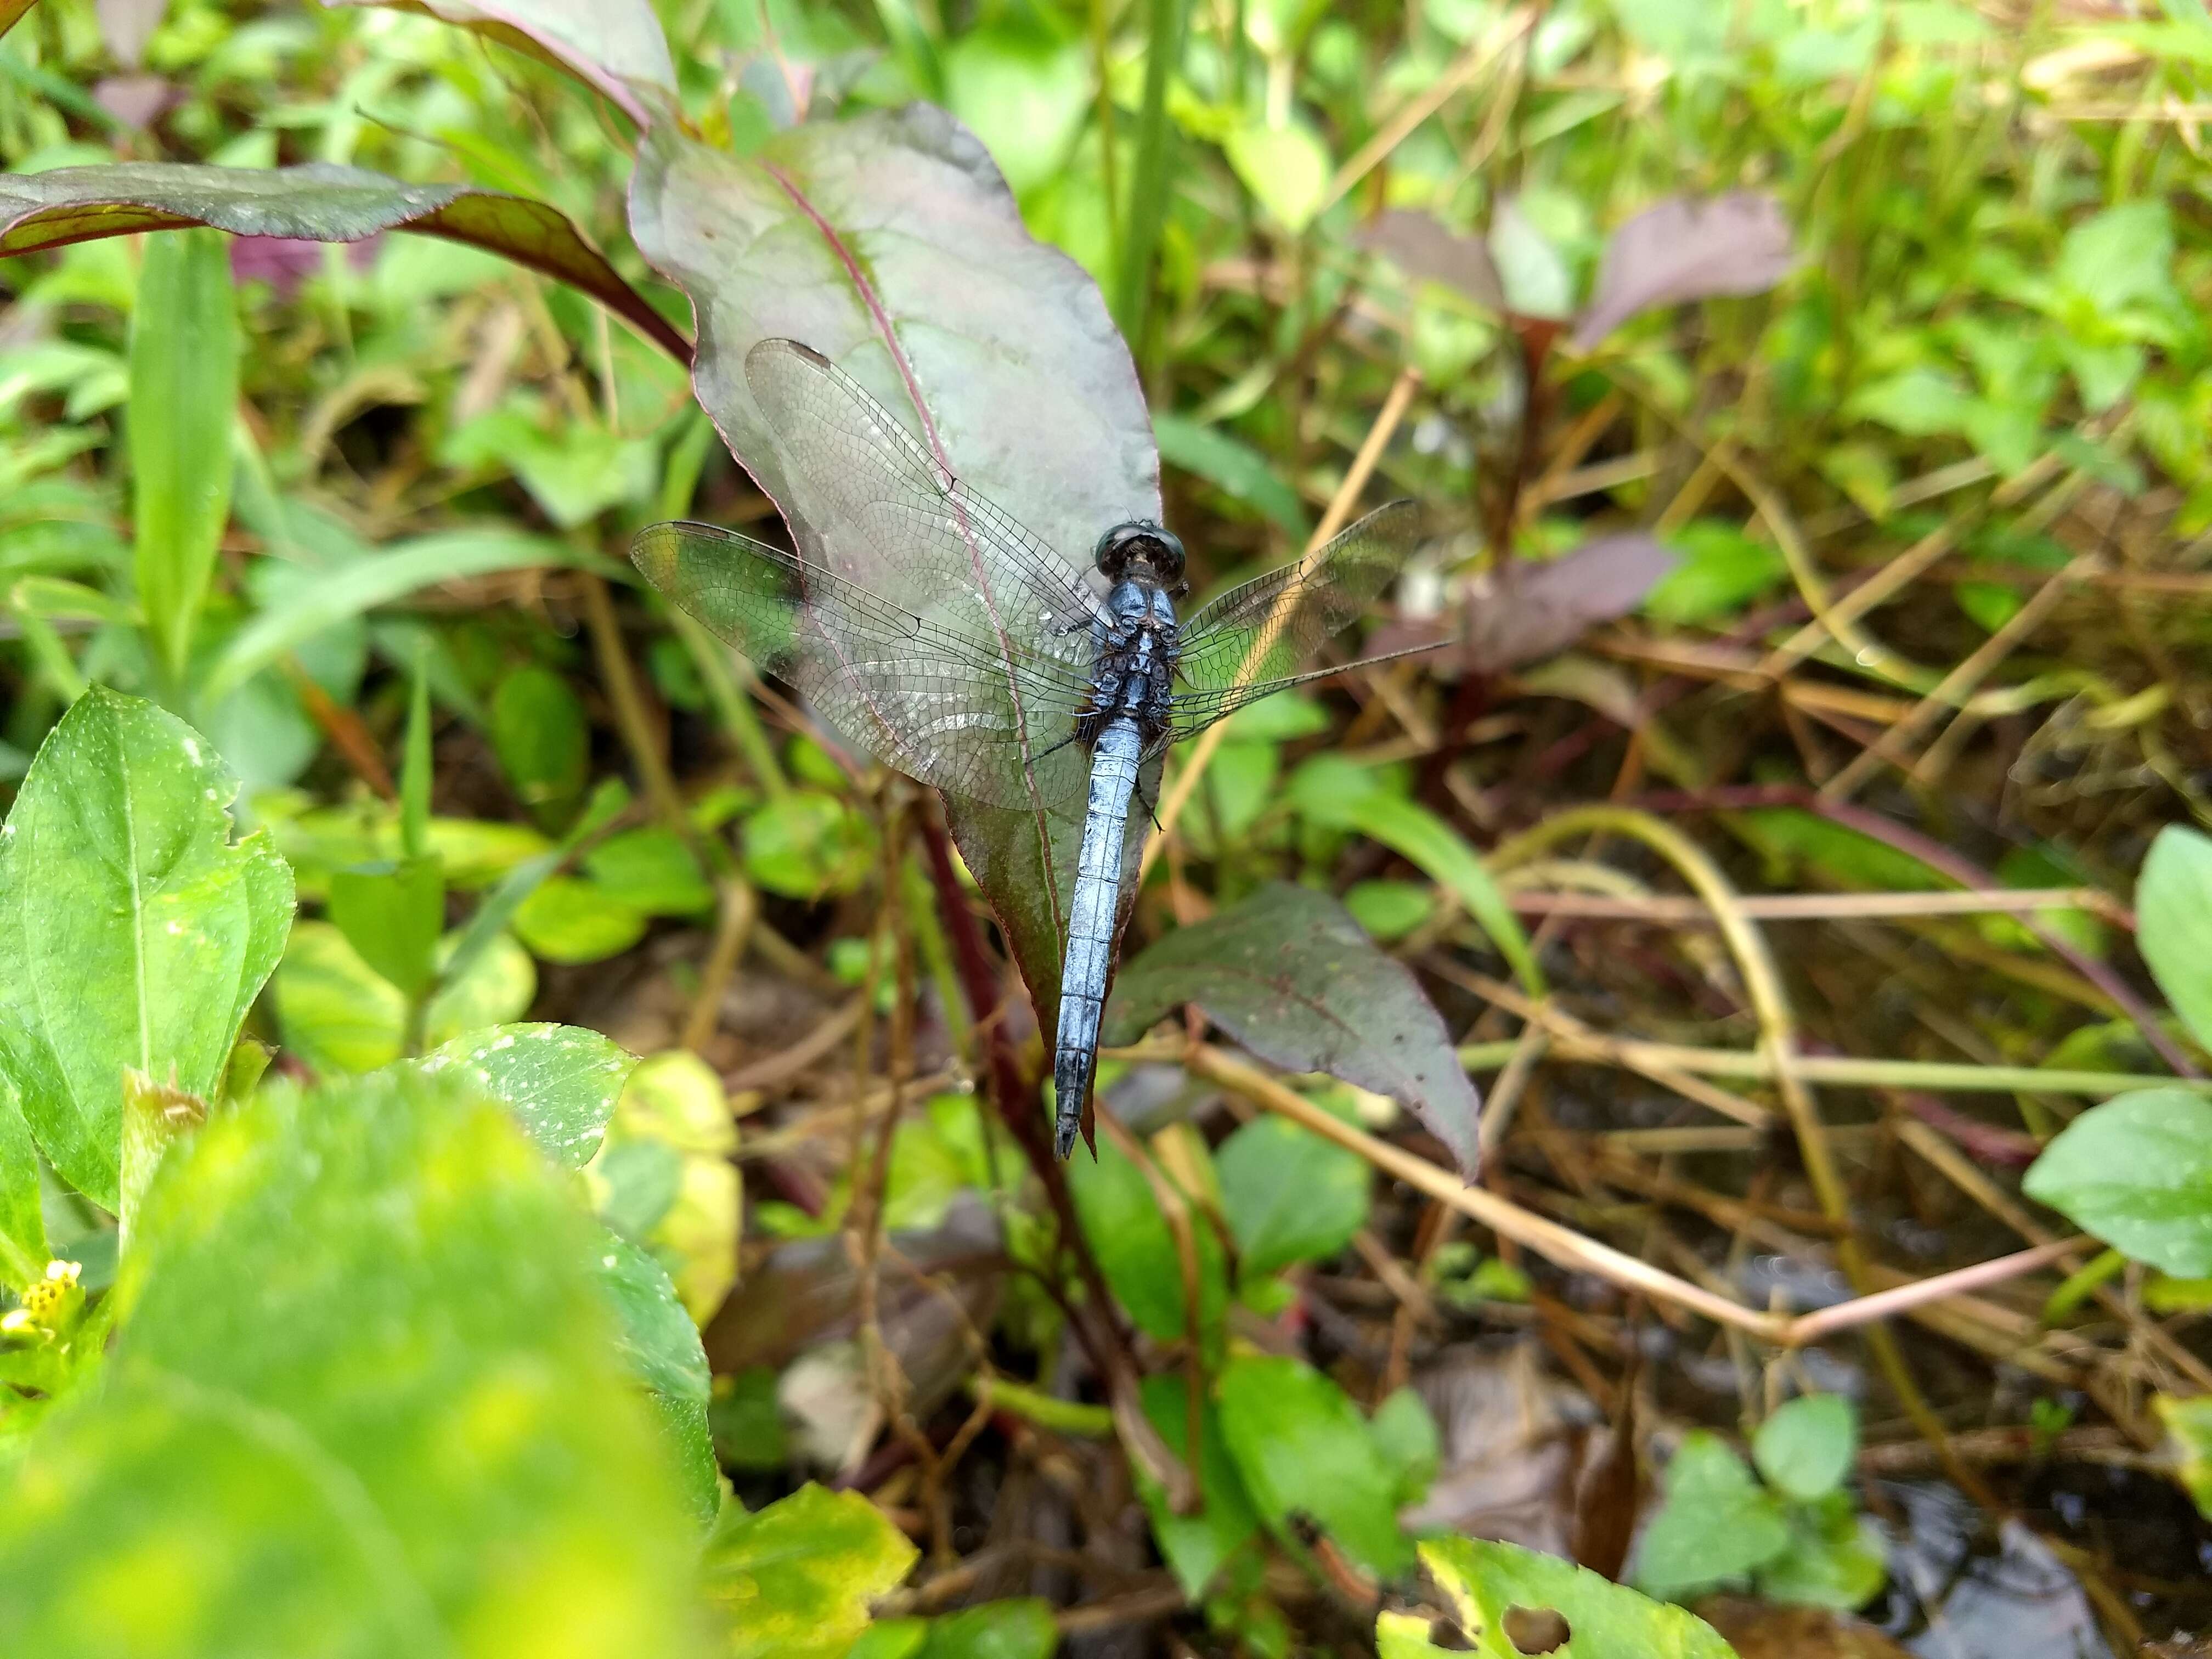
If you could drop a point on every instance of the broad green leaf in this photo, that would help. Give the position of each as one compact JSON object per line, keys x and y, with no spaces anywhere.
{"x":1837,"y":1557}
{"x":1406,"y":1434}
{"x":674,"y":1105}
{"x":661,"y":1346}
{"x":1303,"y":1449}
{"x":393,"y":914}
{"x":1716,"y":1522}
{"x":890,"y":244}
{"x":1195,"y":1547}
{"x":2120,"y":257}
{"x":1390,"y":909}
{"x":808,"y":845}
{"x":616,"y":46}
{"x":339,"y":1016}
{"x":1534,"y":277}
{"x":318,"y":203}
{"x":366,"y":1394}
{"x":363,"y":586}
{"x":1486,"y":1581}
{"x":543,"y":741}
{"x":569,"y":920}
{"x":559,"y":1081}
{"x":1136,"y":1247}
{"x":1285,"y":167}
{"x":2189,"y":1429}
{"x":1290,"y":975}
{"x":1721,"y":570}
{"x":1022,"y":91}
{"x":2173,"y":925}
{"x":1289,"y":1194}
{"x":794,"y":1581}
{"x":183,"y":393}
{"x":118,"y":876}
{"x":2136,"y":1172}
{"x":650,"y":870}
{"x":23,"y":1253}
{"x":1805,"y":1448}
{"x":1020,"y":1628}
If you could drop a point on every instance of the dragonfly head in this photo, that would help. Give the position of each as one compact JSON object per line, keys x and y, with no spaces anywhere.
{"x":1144,"y":549}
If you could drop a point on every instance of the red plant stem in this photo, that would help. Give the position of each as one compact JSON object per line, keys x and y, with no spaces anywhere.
{"x":1736,"y":797}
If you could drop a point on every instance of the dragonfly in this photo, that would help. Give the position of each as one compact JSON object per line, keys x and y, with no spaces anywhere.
{"x":956,"y":647}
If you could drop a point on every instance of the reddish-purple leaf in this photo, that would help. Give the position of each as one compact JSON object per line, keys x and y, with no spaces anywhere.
{"x":891,"y":245}
{"x":1531,"y":610}
{"x":615,"y":45}
{"x":1423,"y":248}
{"x":1292,"y":976}
{"x":317,"y":202}
{"x":1686,"y":249}
{"x":136,"y":100}
{"x":127,"y":25}
{"x":285,"y":262}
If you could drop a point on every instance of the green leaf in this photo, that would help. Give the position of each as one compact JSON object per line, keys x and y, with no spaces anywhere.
{"x":1289,"y":1194}
{"x":1722,"y":570}
{"x":1303,"y":1449}
{"x":1233,"y":467}
{"x":1021,"y":1629}
{"x":2136,"y":1172}
{"x":567,"y":920}
{"x":23,"y":1253}
{"x":318,"y":203}
{"x":2188,"y":1430}
{"x":118,"y":876}
{"x":339,"y":1016}
{"x":2173,"y":925}
{"x":1285,"y":167}
{"x":559,"y":1081}
{"x":661,"y":1346}
{"x":1407,"y":1437}
{"x":1290,"y":975}
{"x":1837,"y":1558}
{"x":1486,"y":1581}
{"x":367,"y":1393}
{"x":794,"y":1581}
{"x":392,"y":916}
{"x":368,"y":583}
{"x":650,"y":870}
{"x":183,"y":393}
{"x":808,"y":845}
{"x":2121,"y":257}
{"x":1716,"y":1523}
{"x":674,"y":1105}
{"x":1805,"y":1448}
{"x":1195,"y":1547}
{"x":1136,"y":1248}
{"x":544,"y":743}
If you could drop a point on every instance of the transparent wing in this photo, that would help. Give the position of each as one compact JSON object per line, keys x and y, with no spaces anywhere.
{"x":926,"y":697}
{"x":939,"y":549}
{"x":1254,"y":640}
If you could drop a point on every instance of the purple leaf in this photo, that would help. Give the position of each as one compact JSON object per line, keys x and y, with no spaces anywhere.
{"x":1292,"y":977}
{"x":317,"y":202}
{"x":1532,"y":611}
{"x":136,"y":100}
{"x":1423,"y":248}
{"x":127,"y":25}
{"x":1686,"y":249}
{"x":615,"y":45}
{"x":891,"y":245}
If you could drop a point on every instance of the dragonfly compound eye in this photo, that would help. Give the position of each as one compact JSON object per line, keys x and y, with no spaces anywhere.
{"x":1141,"y":540}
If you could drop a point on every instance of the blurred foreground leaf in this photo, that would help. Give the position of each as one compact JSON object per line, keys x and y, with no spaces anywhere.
{"x":367,"y":1400}
{"x":117,"y":874}
{"x":1486,"y":1582}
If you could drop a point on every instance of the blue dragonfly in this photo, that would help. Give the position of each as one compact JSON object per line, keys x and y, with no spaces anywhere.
{"x":974,"y":659}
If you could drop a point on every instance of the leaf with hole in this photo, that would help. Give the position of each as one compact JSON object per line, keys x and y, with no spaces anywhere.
{"x":117,"y":871}
{"x":1489,"y":1583}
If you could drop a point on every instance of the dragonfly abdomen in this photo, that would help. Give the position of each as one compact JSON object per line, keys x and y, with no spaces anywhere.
{"x":1114,"y":763}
